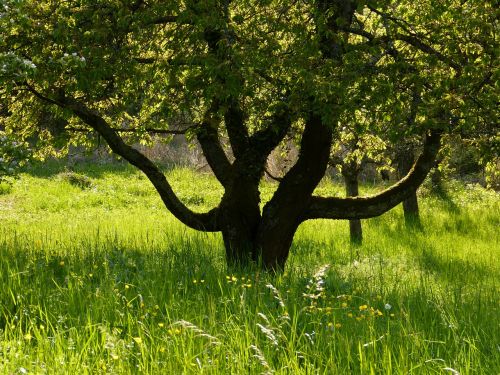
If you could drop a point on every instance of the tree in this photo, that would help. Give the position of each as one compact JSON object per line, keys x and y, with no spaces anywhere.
{"x":255,"y":70}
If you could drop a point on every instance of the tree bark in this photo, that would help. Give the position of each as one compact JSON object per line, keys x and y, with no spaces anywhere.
{"x":350,"y":173}
{"x":281,"y":215}
{"x":405,"y":158}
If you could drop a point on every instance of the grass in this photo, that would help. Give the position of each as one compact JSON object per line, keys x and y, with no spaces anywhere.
{"x":97,"y":277}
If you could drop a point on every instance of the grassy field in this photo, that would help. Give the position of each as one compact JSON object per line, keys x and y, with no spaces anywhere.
{"x":97,"y":277}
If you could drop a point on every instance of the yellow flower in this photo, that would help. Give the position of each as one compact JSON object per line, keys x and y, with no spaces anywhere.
{"x":114,"y":356}
{"x":127,"y":286}
{"x":161,"y":325}
{"x":202,"y":281}
{"x":344,"y":305}
{"x":138,"y":340}
{"x":28,"y":337}
{"x":195,"y":281}
{"x":363,"y":307}
{"x":61,"y":263}
{"x":234,"y":278}
{"x":349,"y":315}
{"x":338,"y":325}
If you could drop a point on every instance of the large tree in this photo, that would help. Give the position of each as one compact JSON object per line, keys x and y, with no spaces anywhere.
{"x":255,"y":71}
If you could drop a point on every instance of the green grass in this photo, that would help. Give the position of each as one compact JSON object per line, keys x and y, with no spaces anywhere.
{"x":97,"y":277}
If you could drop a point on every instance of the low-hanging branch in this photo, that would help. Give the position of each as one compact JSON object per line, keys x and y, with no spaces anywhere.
{"x":371,"y":206}
{"x":206,"y":222}
{"x":145,"y":130}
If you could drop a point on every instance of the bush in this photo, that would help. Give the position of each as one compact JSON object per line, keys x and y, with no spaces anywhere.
{"x":14,"y":156}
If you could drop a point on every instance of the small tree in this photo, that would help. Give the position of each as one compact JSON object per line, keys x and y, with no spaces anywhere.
{"x":255,"y":71}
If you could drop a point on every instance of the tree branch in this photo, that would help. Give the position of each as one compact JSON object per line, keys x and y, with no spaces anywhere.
{"x":367,"y":207}
{"x":200,"y":221}
{"x":208,"y":137}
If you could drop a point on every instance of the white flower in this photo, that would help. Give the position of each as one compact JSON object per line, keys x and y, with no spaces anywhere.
{"x":65,"y":55}
{"x":74,"y":54}
{"x":387,"y":306}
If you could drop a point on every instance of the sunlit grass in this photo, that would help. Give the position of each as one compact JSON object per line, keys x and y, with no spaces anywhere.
{"x":101,"y":279}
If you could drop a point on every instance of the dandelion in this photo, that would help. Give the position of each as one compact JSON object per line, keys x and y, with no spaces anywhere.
{"x":387,"y":306}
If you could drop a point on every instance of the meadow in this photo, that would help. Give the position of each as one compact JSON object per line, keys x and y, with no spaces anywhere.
{"x":96,"y":277}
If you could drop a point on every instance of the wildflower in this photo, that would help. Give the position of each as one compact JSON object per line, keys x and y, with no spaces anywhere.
{"x":127,"y":286}
{"x":61,"y":263}
{"x":387,"y":306}
{"x":338,"y":325}
{"x":138,"y":340}
{"x":363,"y":307}
{"x":90,"y":275}
{"x":344,"y":305}
{"x":195,"y":281}
{"x":349,"y":315}
{"x":202,"y":281}
{"x":378,"y":312}
{"x":392,"y":315}
{"x":161,"y":325}
{"x":114,"y":356}
{"x":28,"y":337}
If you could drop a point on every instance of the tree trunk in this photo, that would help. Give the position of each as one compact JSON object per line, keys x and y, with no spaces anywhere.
{"x":350,"y":173}
{"x":405,"y":159}
{"x":352,"y":190}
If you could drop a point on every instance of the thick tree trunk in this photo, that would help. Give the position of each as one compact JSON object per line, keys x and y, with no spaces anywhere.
{"x":405,"y":159}
{"x":350,"y":173}
{"x":281,"y":215}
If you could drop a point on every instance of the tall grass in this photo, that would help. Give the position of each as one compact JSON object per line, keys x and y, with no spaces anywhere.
{"x":99,"y":278}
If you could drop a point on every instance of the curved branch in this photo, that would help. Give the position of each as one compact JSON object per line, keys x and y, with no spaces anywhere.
{"x":371,"y":206}
{"x":200,"y":221}
{"x":208,"y":137}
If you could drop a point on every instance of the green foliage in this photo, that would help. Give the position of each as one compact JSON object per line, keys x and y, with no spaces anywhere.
{"x":123,"y":288}
{"x":14,"y":155}
{"x":141,"y":64}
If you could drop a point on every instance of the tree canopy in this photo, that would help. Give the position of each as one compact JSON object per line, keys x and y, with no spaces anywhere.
{"x":254,"y":71}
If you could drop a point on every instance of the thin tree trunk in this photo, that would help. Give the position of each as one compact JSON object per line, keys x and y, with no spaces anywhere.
{"x":405,"y":160}
{"x":350,"y":173}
